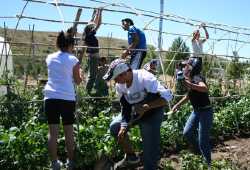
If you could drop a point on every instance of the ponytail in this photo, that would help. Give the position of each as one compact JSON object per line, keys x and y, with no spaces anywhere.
{"x":64,"y":40}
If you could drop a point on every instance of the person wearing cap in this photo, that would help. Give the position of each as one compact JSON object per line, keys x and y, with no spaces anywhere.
{"x":197,"y":43}
{"x":136,"y":40}
{"x":152,"y":66}
{"x":141,"y":95}
{"x":90,"y":40}
{"x":201,"y":118}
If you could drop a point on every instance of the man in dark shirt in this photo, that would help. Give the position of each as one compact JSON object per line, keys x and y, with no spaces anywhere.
{"x":91,"y":41}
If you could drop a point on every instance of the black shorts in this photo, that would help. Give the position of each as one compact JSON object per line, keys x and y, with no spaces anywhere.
{"x":54,"y":108}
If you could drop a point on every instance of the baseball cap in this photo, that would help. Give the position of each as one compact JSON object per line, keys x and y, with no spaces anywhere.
{"x":116,"y":67}
{"x":148,"y":66}
{"x":196,"y":64}
{"x":192,"y":61}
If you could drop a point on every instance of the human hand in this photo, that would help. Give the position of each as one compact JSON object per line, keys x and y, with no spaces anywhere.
{"x":141,"y":109}
{"x":175,"y":108}
{"x":125,"y":53}
{"x":170,"y":113}
{"x":121,"y":134}
{"x":203,"y":25}
{"x":188,"y":84}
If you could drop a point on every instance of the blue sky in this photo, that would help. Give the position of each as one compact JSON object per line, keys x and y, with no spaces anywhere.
{"x":229,"y":12}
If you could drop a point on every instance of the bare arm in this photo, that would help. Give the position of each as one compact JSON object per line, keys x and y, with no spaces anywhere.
{"x":135,"y":41}
{"x":142,"y":108}
{"x":201,"y":86}
{"x":181,"y":102}
{"x":206,"y":32}
{"x":93,"y":15}
{"x":159,"y":102}
{"x":77,"y":74}
{"x":98,"y":18}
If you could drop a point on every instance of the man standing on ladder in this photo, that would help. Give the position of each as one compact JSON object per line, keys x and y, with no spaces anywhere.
{"x":136,"y":40}
{"x":90,"y":40}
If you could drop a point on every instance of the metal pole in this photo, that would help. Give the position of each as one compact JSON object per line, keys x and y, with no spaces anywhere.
{"x":160,"y":25}
{"x":160,"y":37}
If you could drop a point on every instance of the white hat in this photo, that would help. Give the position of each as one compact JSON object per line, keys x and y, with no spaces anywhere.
{"x":116,"y":67}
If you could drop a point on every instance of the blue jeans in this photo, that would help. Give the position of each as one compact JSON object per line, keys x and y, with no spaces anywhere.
{"x":201,"y":121}
{"x":137,"y":58}
{"x":150,"y":132}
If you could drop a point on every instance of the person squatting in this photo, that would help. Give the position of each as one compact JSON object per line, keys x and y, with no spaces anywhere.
{"x":142,"y":97}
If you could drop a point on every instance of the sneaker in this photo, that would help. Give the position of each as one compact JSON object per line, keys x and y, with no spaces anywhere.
{"x":132,"y":159}
{"x":56,"y":165}
{"x":70,"y":165}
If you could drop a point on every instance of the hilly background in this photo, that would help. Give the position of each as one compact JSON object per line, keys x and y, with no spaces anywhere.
{"x":31,"y":58}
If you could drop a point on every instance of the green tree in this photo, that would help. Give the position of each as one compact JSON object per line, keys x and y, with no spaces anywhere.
{"x":180,"y":46}
{"x":235,"y":69}
{"x":151,"y":54}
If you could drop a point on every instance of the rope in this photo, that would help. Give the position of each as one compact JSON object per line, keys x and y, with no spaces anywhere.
{"x":50,"y":20}
{"x":60,"y":13}
{"x":113,"y":48}
{"x":7,"y":17}
{"x":45,"y":54}
{"x":166,"y":17}
{"x":181,"y":17}
{"x":41,"y":101}
{"x":177,"y":53}
{"x":118,"y":25}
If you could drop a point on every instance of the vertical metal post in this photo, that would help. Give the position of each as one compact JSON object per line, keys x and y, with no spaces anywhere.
{"x":160,"y":37}
{"x":160,"y":26}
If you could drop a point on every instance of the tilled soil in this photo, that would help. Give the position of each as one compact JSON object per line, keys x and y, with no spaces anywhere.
{"x":235,"y":150}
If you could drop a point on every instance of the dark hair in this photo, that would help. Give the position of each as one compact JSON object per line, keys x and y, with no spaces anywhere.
{"x":128,"y":20}
{"x":71,"y":31}
{"x":197,"y":67}
{"x":180,"y":65}
{"x":102,"y":60}
{"x":64,"y":40}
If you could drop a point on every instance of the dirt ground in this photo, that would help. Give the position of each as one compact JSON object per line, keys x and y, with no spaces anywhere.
{"x":235,"y":150}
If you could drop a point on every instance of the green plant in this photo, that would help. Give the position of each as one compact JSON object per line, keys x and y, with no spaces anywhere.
{"x":193,"y":162}
{"x":171,"y":129}
{"x":24,"y":147}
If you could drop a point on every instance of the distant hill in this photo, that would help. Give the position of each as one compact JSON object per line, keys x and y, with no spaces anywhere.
{"x":22,"y":54}
{"x":50,"y":38}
